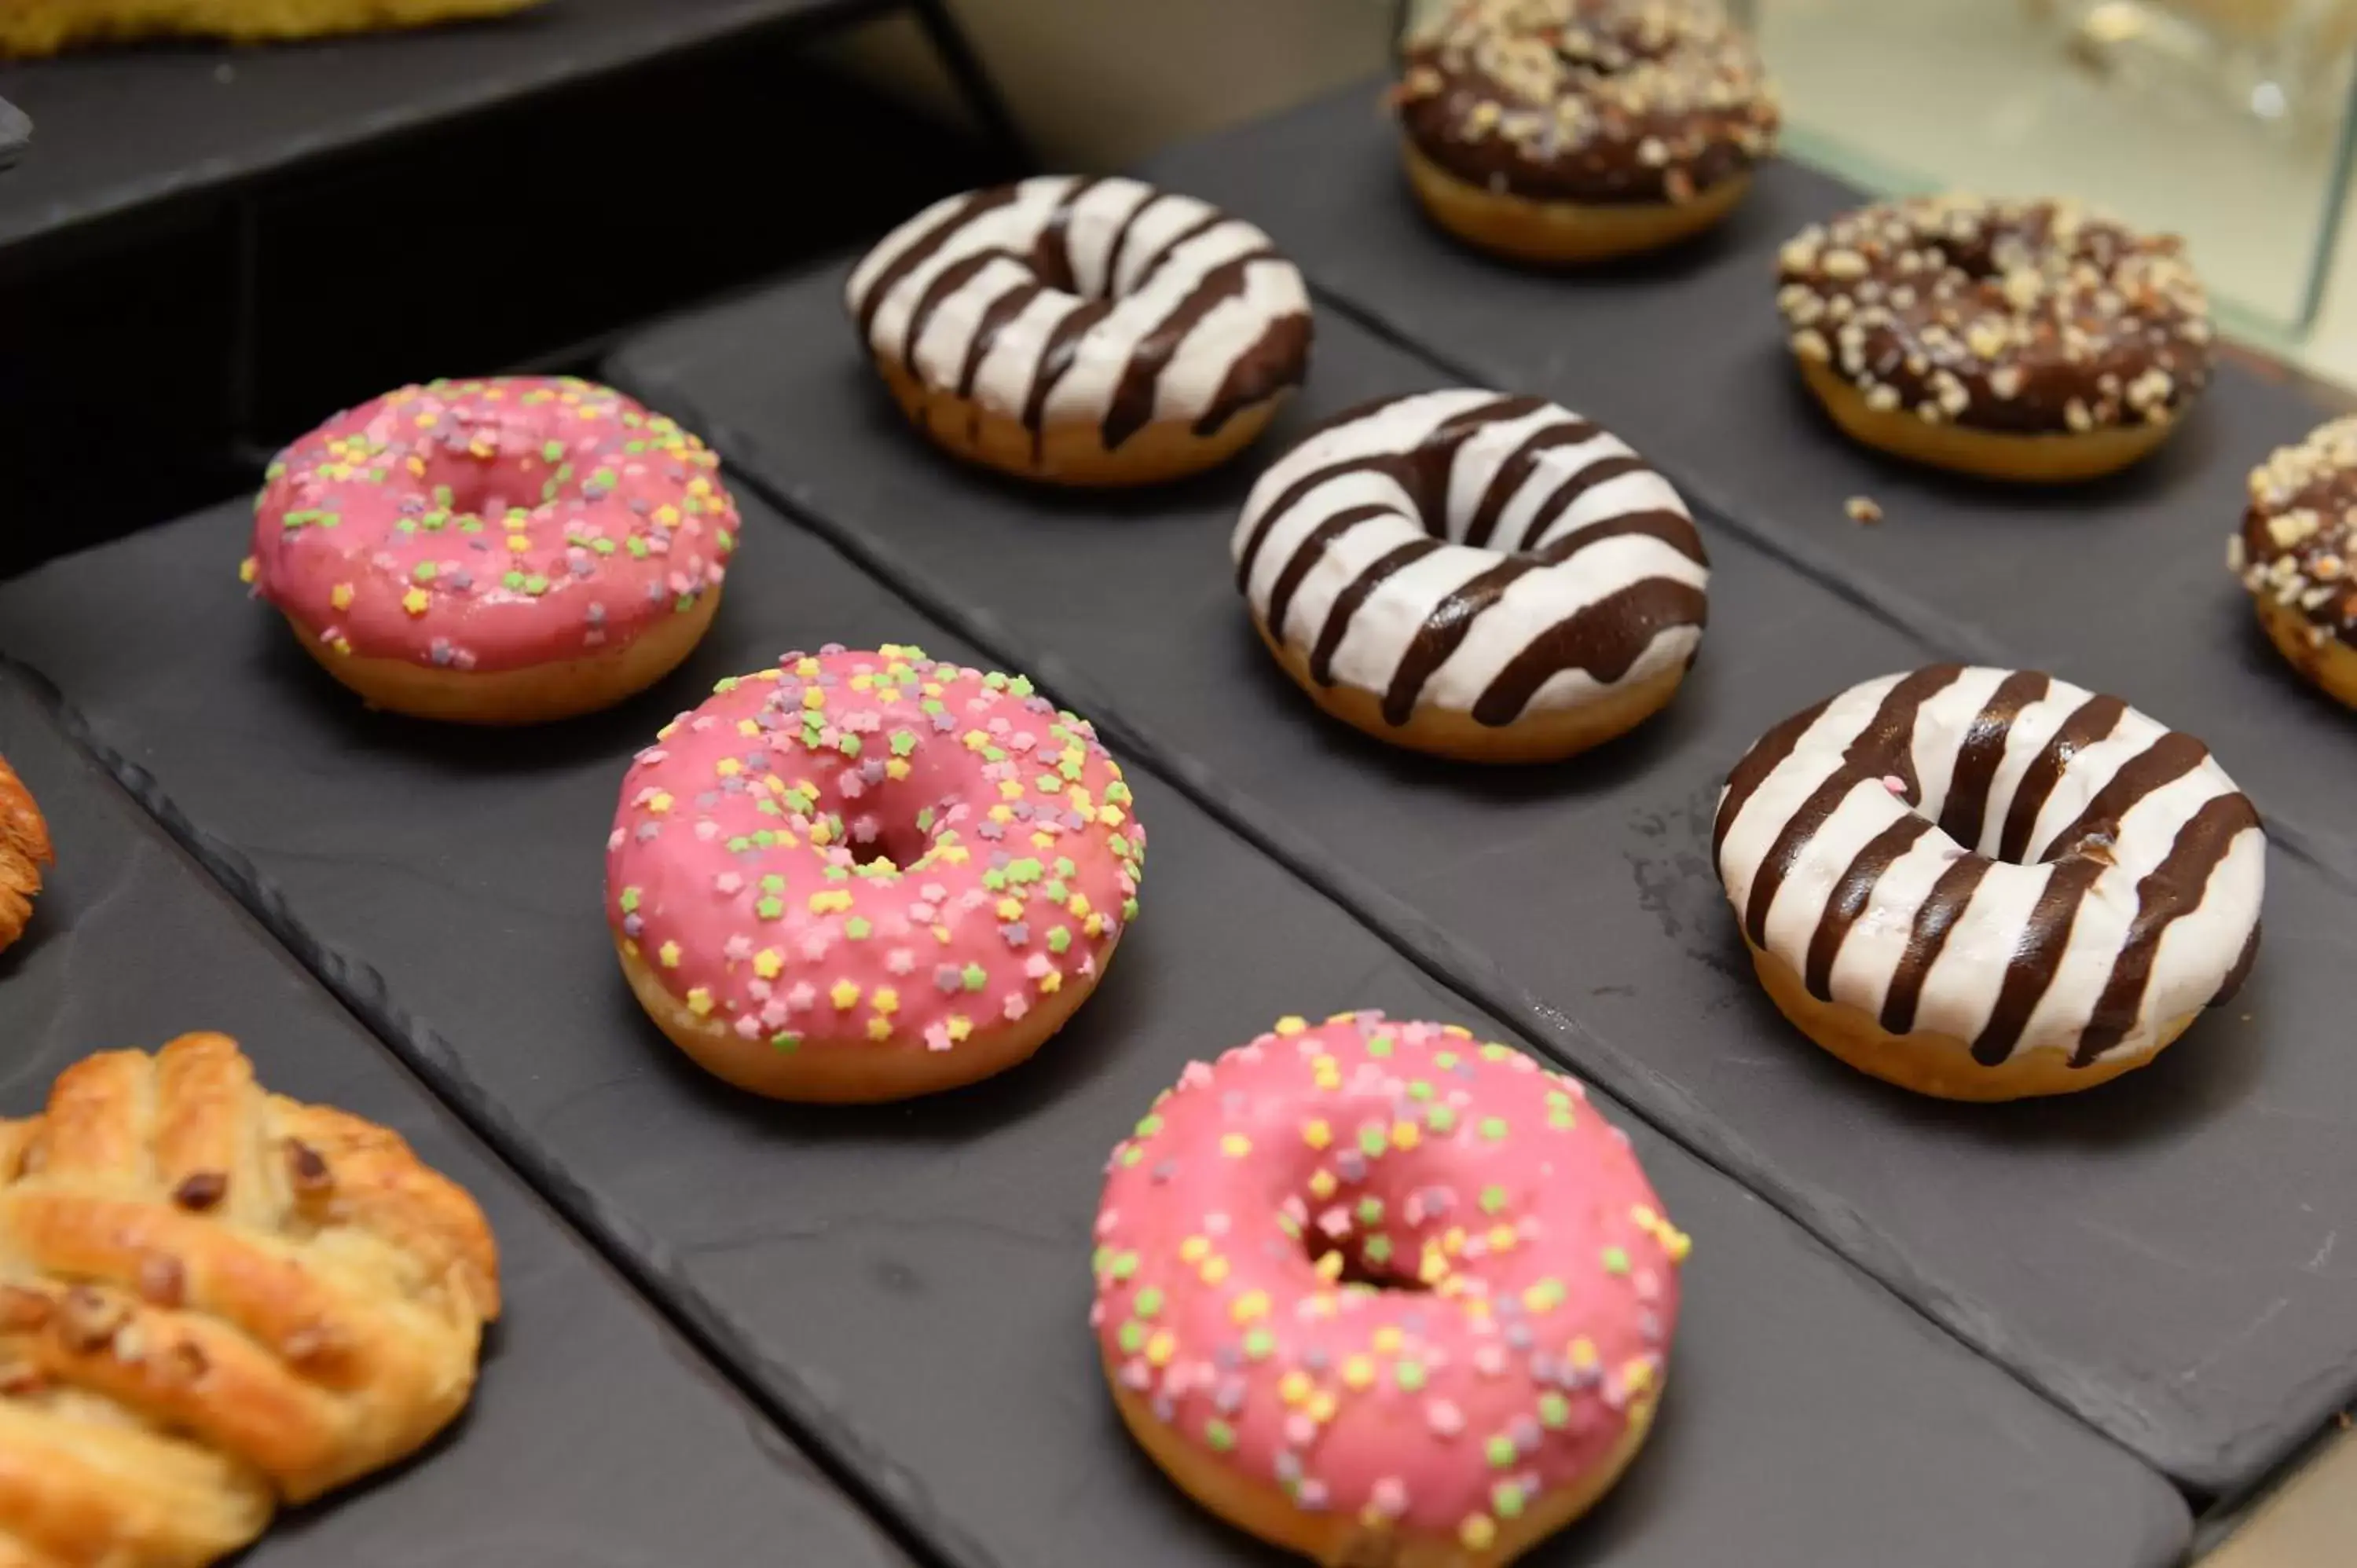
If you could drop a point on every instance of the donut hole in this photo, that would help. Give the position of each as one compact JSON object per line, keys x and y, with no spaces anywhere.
{"x":1362,"y":1236}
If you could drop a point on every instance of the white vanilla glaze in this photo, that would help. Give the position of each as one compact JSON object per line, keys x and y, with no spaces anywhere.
{"x":1065,"y":298}
{"x":1998,"y":856}
{"x":1474,"y":552}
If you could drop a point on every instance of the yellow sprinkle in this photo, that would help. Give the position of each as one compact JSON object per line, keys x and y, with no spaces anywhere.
{"x":768,"y":962}
{"x":1321,"y":1408}
{"x":1094,"y":925}
{"x":1194,"y":1248}
{"x":699,"y":1002}
{"x":1010,"y":908}
{"x":1321,"y":1183}
{"x":659,"y":802}
{"x":414,"y":601}
{"x":886,"y":1000}
{"x":1294,"y":1387}
{"x":1387,"y":1340}
{"x":1644,"y":1217}
{"x":1317,"y":1133}
{"x":806,"y":667}
{"x":1358,"y":1371}
{"x":959,"y":1027}
{"x":1459,"y":1030}
{"x":1581,"y":1351}
{"x":519,"y":543}
{"x":1477,"y":1532}
{"x":1213,"y":1270}
{"x":1051,"y":982}
{"x":813,"y":696}
{"x":843,"y":994}
{"x":668,"y":954}
{"x":1251,"y":1305}
{"x":1678,"y":1245}
{"x":1009,"y":789}
{"x":974,"y":740}
{"x":667,"y":515}
{"x":824,"y":903}
{"x":895,"y":768}
{"x":1433,"y":1268}
{"x":880,"y":1028}
{"x":1638,"y":1375}
{"x":1404,"y":1134}
{"x":728,"y":768}
{"x":1452,"y":1241}
{"x":1161,"y":1348}
{"x":247,"y":568}
{"x":1291,"y":1024}
{"x":1329,"y":1267}
{"x":1078,"y":904}
{"x":1235,"y":1145}
{"x":1501,"y":1237}
{"x":340,"y":596}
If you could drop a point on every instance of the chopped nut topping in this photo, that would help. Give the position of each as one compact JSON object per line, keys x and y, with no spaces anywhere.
{"x":2295,"y":542}
{"x":1863,"y":509}
{"x":201,"y":1191}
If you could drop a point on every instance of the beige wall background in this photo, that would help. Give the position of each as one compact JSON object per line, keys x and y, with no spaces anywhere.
{"x":1101,"y":83}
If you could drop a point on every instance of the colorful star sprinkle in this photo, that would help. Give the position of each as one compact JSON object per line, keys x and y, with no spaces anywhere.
{"x":1433,"y":1332}
{"x":847,"y":894}
{"x":490,"y":524}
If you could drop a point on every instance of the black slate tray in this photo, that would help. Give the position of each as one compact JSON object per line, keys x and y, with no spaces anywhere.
{"x":911,"y":1281}
{"x":214,"y":119}
{"x":596,"y":1435}
{"x":2162,"y":1257}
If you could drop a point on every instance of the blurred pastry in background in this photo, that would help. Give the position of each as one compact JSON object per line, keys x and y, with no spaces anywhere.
{"x":45,"y":26}
{"x":23,"y":850}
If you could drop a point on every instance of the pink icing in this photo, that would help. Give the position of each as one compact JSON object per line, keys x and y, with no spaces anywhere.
{"x":1010,"y":859}
{"x":1397,"y":1153}
{"x":490,"y":524}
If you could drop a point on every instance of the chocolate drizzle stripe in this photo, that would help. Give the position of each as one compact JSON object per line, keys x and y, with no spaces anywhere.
{"x":2089,"y":723}
{"x":1850,"y":897}
{"x":1882,"y":748}
{"x":1346,"y":603}
{"x":1942,"y":907}
{"x":1767,"y":754}
{"x":995,"y":319}
{"x":1601,"y":472}
{"x":1171,"y":247}
{"x":2172,"y":891}
{"x":1051,"y":255}
{"x":2165,"y":760}
{"x":1674,"y":529}
{"x":1131,"y":408}
{"x":2038,"y":956}
{"x":2232,"y":986}
{"x":1121,"y":240}
{"x":922,"y":248}
{"x":946,"y":282}
{"x":1306,"y":556}
{"x":1602,"y":639}
{"x":1445,"y":629}
{"x":1056,"y":356}
{"x":1964,"y":816}
{"x":1286,"y":342}
{"x":1514,"y":471}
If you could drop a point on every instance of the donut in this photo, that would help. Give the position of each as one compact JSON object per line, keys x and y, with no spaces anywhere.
{"x":1378,"y":1293}
{"x":496,"y":551}
{"x":2028,"y":340}
{"x":866,"y":875}
{"x":1085,"y":331}
{"x":1568,"y":130}
{"x":24,"y":851}
{"x":1988,"y":884}
{"x":1474,"y":575}
{"x":2295,"y":551}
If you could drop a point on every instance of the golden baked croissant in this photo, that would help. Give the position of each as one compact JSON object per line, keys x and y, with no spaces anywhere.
{"x":23,"y":850}
{"x":45,"y":26}
{"x":212,"y":1298}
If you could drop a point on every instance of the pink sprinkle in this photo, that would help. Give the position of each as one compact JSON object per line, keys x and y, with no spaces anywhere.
{"x":1195,"y":1075}
{"x":1445,"y":1419}
{"x":1137,"y":1376}
{"x":727,"y":884}
{"x":921,"y":913}
{"x":1299,"y":1430}
{"x":1016,"y":1006}
{"x":899,"y":960}
{"x":737,"y":948}
{"x":803,"y":997}
{"x":614,"y":840}
{"x":1388,"y":1497}
{"x":1215,"y":1225}
{"x":1036,"y":965}
{"x":1895,"y":784}
{"x":1107,"y":1222}
{"x":936,"y":1037}
{"x":747,"y":1027}
{"x":1489,"y":1359}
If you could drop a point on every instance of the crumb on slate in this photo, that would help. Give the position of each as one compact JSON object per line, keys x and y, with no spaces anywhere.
{"x":1863,"y":509}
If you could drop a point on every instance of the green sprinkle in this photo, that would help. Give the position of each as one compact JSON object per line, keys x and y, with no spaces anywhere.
{"x":1129,"y":908}
{"x":1493,"y":1128}
{"x":1219,"y":1435}
{"x":1064,"y":866}
{"x":535,"y":584}
{"x":995,"y":680}
{"x":770,"y":908}
{"x":1370,"y":1140}
{"x":1148,"y":1125}
{"x":1419,"y":1089}
{"x":1499,"y":1450}
{"x":1616,"y":1260}
{"x":1149,"y":1302}
{"x":1020,"y":686}
{"x":995,"y":879}
{"x":925,"y":820}
{"x":975,"y":976}
{"x":442,"y":496}
{"x":1440,"y":1119}
{"x":848,"y":745}
{"x":786,"y":1043}
{"x":856,"y":929}
{"x":1054,"y":890}
{"x":551,"y":452}
{"x":1506,"y":1499}
{"x":1378,"y":1249}
{"x":1408,"y":1375}
{"x":773,"y":883}
{"x":1380,"y":1045}
{"x":1259,"y":1344}
{"x":1553,"y":1410}
{"x":1132,"y":1155}
{"x":739,"y":844}
{"x":903,"y":742}
{"x":602,"y":546}
{"x":1058,"y":940}
{"x":1494,"y":1052}
{"x":636,"y":545}
{"x":513,"y":580}
{"x":1133,"y":1337}
{"x":630,"y":900}
{"x":1370,"y":1210}
{"x":1493,"y":1198}
{"x":1123,"y":1265}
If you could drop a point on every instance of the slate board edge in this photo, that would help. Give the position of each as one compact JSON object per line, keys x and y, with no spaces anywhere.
{"x":840,"y":1453}
{"x":1938,"y":632}
{"x":2208,"y":1471}
{"x":15,"y":134}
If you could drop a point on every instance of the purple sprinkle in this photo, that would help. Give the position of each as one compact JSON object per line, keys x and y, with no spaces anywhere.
{"x":1315,"y":1359}
{"x":597,"y":613}
{"x":581,"y":565}
{"x":1020,"y":810}
{"x":872,"y":770}
{"x":1017,"y":932}
{"x":1525,"y":1432}
{"x":1229,"y":1397}
{"x":649,"y":832}
{"x":1352,"y":1166}
{"x":1311,"y":1497}
{"x":440,"y":651}
{"x":948,"y":979}
{"x":943,"y":723}
{"x":460,"y":578}
{"x":1288,"y":1465}
{"x":990,"y":830}
{"x":633,"y":925}
{"x":1163,"y":1409}
{"x":640,"y":505}
{"x":1519,"y":1335}
{"x":1164,"y":1170}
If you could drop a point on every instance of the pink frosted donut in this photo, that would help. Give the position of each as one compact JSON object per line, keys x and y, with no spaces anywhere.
{"x":501,"y":550}
{"x":863,"y":876}
{"x":1380,"y":1293}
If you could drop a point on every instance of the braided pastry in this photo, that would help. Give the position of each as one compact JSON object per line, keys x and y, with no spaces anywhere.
{"x":211,"y":1298}
{"x":23,"y":850}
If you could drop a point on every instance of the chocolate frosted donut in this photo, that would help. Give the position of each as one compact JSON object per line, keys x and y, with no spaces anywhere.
{"x":2015,"y":340}
{"x":1986,"y":883}
{"x":1474,"y":575}
{"x":2295,"y":550}
{"x":1569,"y":130}
{"x":1085,"y":330}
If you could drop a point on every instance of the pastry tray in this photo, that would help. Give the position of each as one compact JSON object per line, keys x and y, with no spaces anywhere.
{"x":596,"y":1435}
{"x":2166,"y":1257}
{"x":908,"y":1285}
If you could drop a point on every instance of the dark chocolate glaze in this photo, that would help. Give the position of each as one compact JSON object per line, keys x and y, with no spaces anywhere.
{"x":1603,"y":640}
{"x":2089,"y":723}
{"x":2232,"y":986}
{"x":2298,"y":546}
{"x":1928,"y":936}
{"x":1851,"y":896}
{"x":1594,"y":102}
{"x":1311,"y":551}
{"x":2026,"y":318}
{"x":1132,"y":408}
{"x":1767,"y":754}
{"x":1964,"y":816}
{"x":972,"y":206}
{"x":2036,"y":958}
{"x":1347,"y":603}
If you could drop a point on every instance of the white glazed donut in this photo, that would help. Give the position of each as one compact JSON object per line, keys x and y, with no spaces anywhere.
{"x":1985,"y":883}
{"x":1474,"y":575}
{"x":1086,"y":330}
